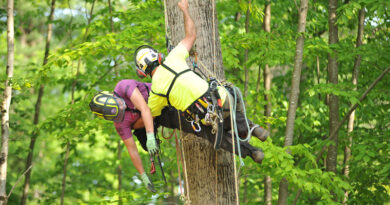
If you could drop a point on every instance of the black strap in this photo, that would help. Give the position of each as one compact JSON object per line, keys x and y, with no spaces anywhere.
{"x":172,"y":83}
{"x":147,"y":89}
{"x":159,"y":94}
{"x":116,"y":94}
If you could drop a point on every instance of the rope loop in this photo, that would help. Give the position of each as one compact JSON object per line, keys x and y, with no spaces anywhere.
{"x":167,"y":138}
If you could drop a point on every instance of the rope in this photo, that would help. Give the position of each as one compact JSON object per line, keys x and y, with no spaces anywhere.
{"x":166,"y":16}
{"x":214,"y":45}
{"x":231,"y":118}
{"x":216,"y":178}
{"x":178,"y":166}
{"x":235,"y":91}
{"x":167,"y":138}
{"x":234,"y":151}
{"x":187,"y":201}
{"x":234,"y":125}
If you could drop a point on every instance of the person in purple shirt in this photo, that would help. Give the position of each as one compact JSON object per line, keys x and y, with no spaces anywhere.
{"x":136,"y":116}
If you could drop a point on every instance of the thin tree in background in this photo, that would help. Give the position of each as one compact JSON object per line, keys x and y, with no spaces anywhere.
{"x":294,"y":96}
{"x":356,"y":66}
{"x":331,"y":159}
{"x":119,"y":154}
{"x":237,"y":17}
{"x":35,"y":134}
{"x":67,"y":149}
{"x":246,"y":69}
{"x":6,"y":102}
{"x":267,"y":97}
{"x":210,"y":176}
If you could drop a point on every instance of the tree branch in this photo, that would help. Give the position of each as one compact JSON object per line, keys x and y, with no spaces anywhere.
{"x":20,"y":177}
{"x":351,"y":109}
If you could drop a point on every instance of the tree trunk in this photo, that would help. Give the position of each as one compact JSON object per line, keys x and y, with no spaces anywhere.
{"x":119,"y":155}
{"x":37,"y":108}
{"x":267,"y":98}
{"x":245,"y":197}
{"x":210,"y":173}
{"x":119,"y":171}
{"x":331,"y":159}
{"x":347,"y":152}
{"x":23,"y":36}
{"x":351,"y":109}
{"x":246,"y":69}
{"x":318,"y":72}
{"x":238,"y":13}
{"x":111,"y":21}
{"x":63,"y":185}
{"x":294,"y":96}
{"x":6,"y":102}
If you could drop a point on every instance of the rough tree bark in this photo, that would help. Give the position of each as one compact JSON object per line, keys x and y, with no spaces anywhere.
{"x":294,"y":96}
{"x":7,"y":96}
{"x":331,"y":159}
{"x":35,"y":134}
{"x":210,"y":176}
{"x":356,"y":66}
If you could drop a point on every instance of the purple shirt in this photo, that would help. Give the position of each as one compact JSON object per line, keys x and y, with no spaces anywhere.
{"x":124,"y":89}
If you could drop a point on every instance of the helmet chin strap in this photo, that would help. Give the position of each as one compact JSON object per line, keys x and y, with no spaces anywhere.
{"x":153,"y":68}
{"x":152,"y":72}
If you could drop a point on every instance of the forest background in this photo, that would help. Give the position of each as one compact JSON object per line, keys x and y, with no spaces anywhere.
{"x":79,"y":159}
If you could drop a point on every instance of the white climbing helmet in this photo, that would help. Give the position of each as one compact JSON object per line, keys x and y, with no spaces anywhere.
{"x":146,"y":59}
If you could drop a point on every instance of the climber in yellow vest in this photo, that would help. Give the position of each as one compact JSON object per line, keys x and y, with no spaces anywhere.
{"x":175,"y":84}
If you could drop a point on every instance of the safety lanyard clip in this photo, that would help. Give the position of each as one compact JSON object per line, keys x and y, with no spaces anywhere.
{"x":196,"y":128}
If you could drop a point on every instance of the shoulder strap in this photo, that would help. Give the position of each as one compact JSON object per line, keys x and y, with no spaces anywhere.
{"x":172,"y":83}
{"x":147,"y":89}
{"x":159,"y":94}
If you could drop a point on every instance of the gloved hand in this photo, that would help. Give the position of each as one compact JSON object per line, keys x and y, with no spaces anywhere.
{"x":151,"y":143}
{"x":149,"y":185}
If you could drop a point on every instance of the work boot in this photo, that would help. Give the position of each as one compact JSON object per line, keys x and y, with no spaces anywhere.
{"x":260,"y":133}
{"x":257,"y":156}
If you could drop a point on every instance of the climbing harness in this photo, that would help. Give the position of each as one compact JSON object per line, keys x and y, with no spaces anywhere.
{"x":196,"y":112}
{"x":172,"y":83}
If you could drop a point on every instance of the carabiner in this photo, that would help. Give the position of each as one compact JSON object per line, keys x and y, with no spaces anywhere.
{"x":210,"y":108}
{"x":193,"y":123}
